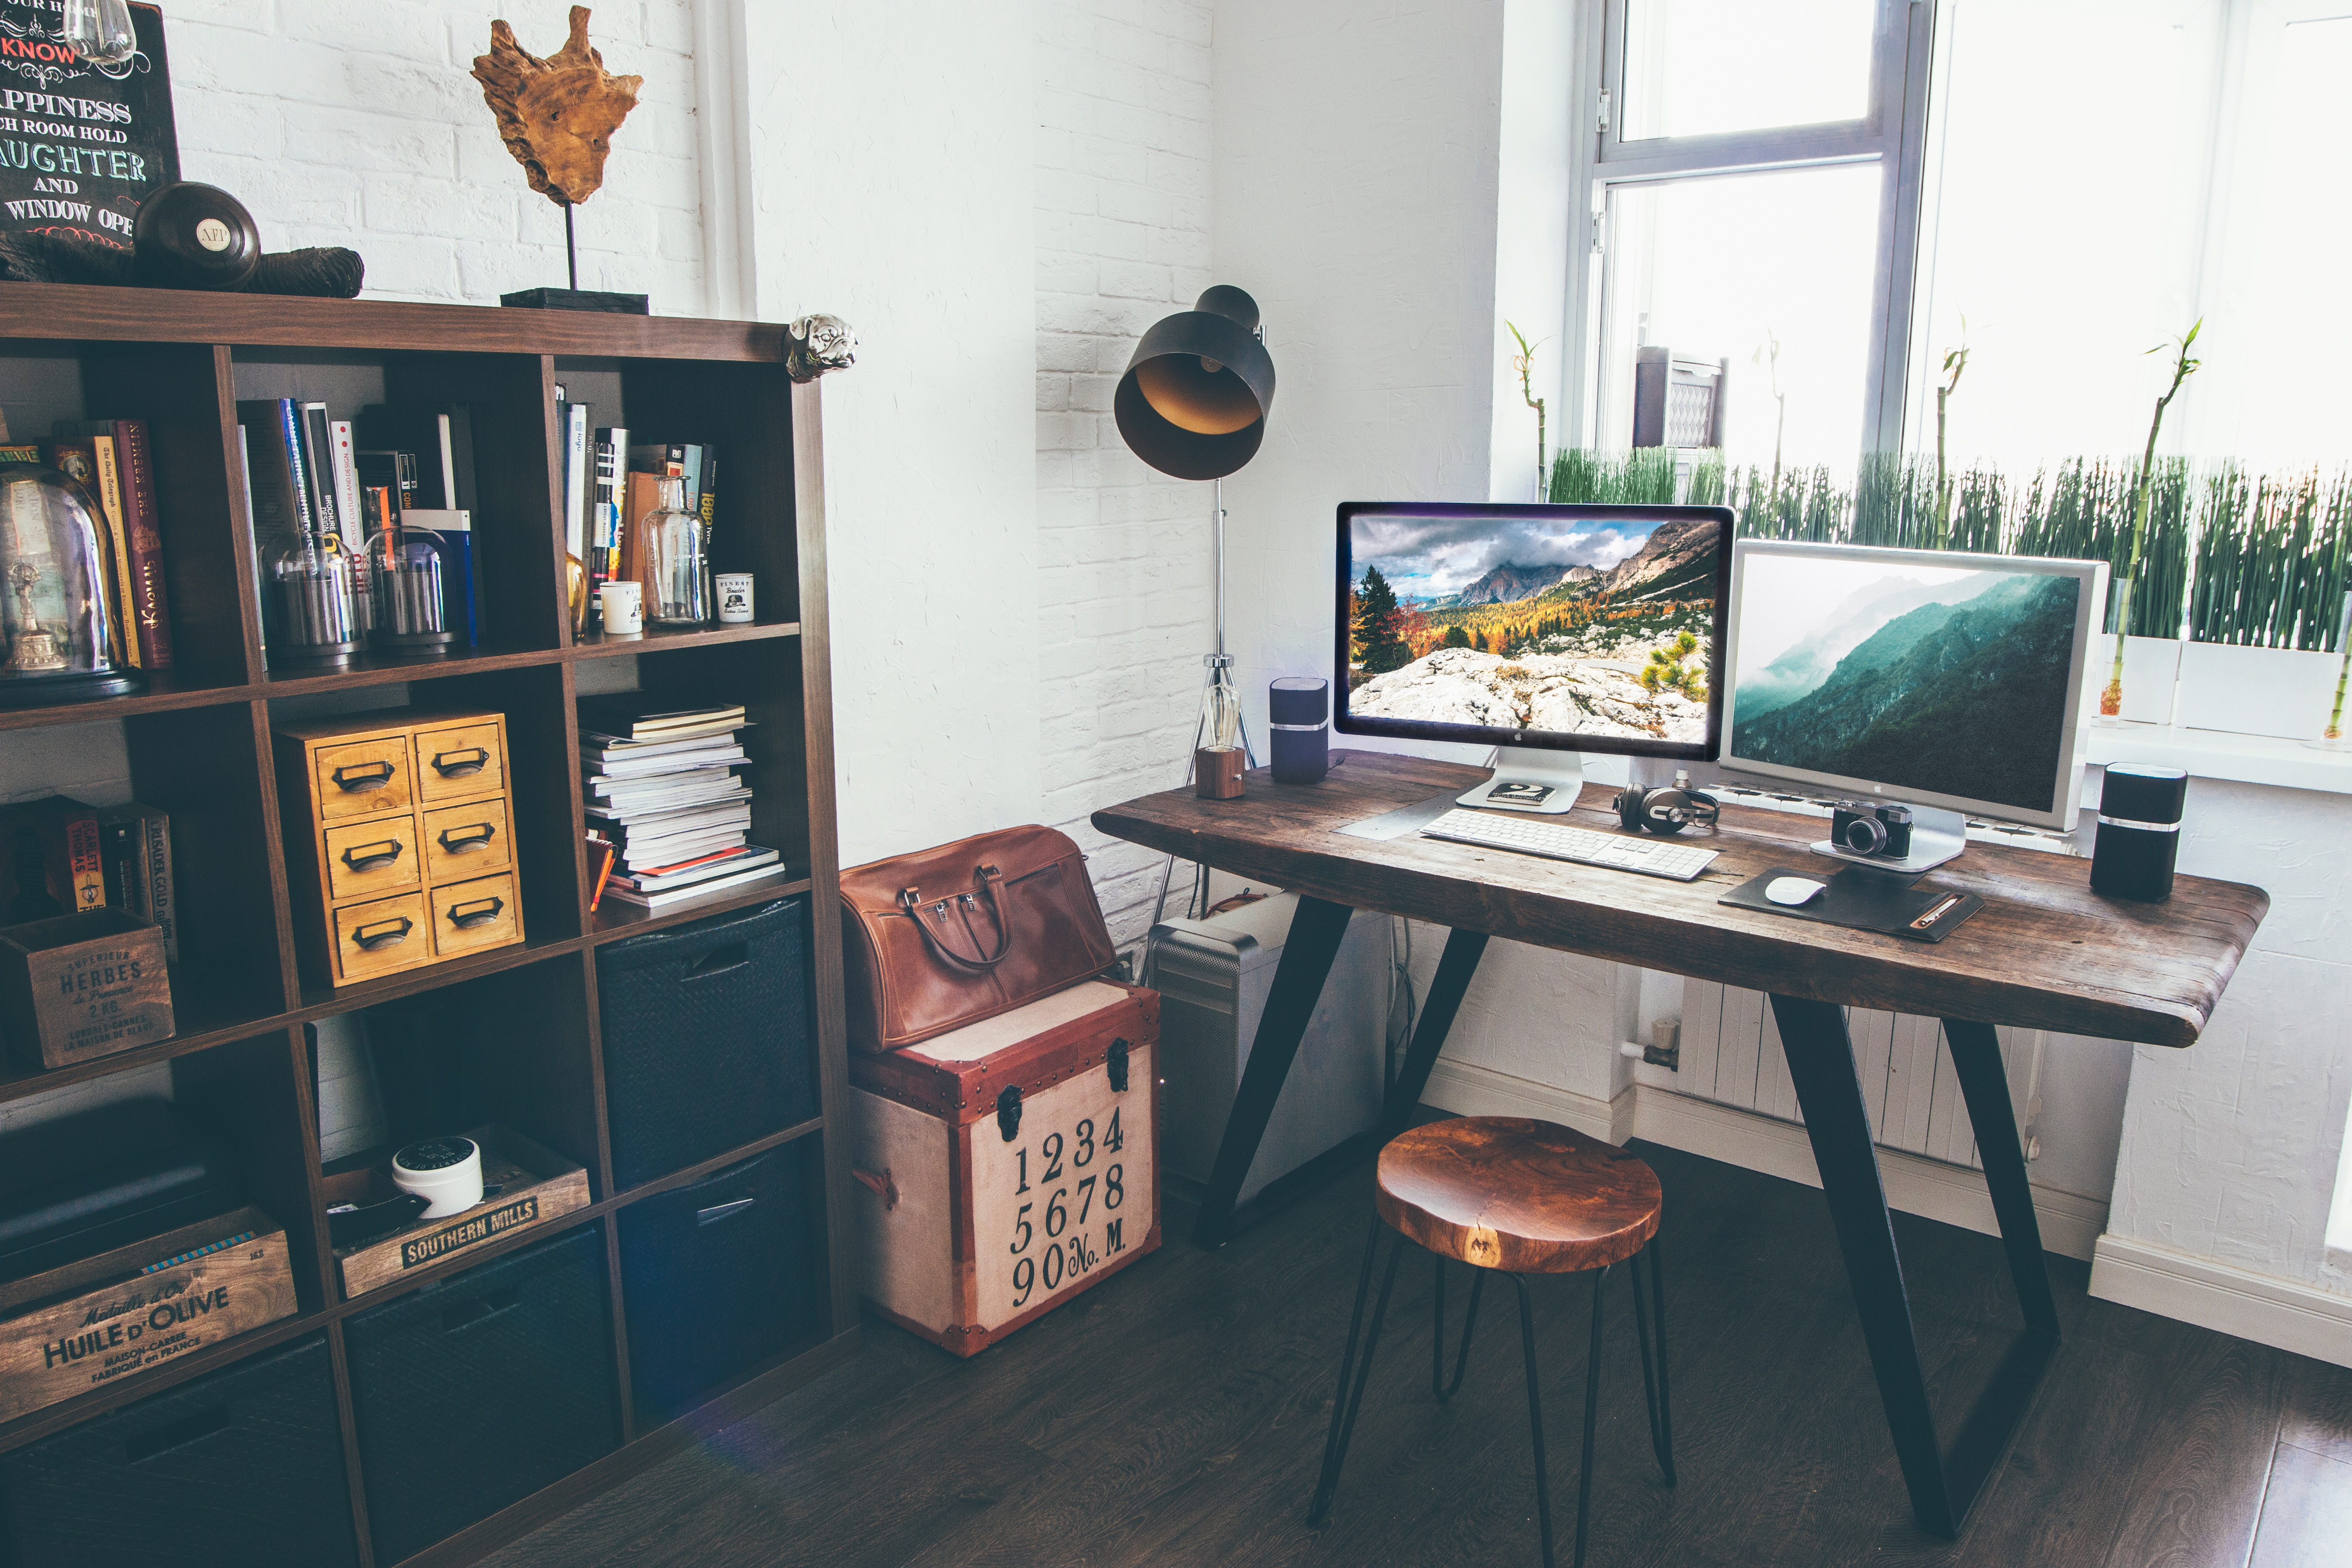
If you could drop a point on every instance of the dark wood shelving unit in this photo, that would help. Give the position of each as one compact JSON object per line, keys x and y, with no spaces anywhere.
{"x":198,"y":742}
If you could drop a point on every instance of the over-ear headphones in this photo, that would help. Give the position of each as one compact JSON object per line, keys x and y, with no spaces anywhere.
{"x":1665,"y":811}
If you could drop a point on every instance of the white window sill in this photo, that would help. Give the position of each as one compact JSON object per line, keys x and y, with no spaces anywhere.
{"x":2218,"y":754}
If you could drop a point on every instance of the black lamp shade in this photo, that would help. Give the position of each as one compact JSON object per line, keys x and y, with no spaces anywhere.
{"x":1194,"y":399}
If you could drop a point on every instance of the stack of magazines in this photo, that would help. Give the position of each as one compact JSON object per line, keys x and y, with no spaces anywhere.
{"x":669,"y":807}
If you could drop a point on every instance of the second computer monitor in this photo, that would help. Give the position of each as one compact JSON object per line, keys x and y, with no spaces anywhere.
{"x":1942,"y":678}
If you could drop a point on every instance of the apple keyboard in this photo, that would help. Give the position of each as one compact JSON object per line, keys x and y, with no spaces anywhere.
{"x":1556,"y":840}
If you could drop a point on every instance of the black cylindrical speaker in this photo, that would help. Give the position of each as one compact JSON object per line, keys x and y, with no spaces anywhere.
{"x":1298,"y":712}
{"x":2139,"y":831}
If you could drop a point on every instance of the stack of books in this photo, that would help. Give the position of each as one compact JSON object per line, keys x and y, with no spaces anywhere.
{"x":669,"y":808}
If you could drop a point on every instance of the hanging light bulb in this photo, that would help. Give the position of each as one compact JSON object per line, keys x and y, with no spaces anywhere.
{"x":99,"y":30}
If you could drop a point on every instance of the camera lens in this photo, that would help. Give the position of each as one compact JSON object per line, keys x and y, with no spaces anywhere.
{"x":1865,"y":836}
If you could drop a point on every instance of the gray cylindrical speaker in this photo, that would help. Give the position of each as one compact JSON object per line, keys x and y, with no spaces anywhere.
{"x":2141,"y":807}
{"x":1298,"y":712}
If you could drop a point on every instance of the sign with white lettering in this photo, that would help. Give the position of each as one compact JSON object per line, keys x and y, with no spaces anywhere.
{"x":81,"y":143}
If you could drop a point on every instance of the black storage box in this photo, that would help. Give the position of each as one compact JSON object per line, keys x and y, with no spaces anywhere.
{"x":80,"y":1186}
{"x":718,"y":1276}
{"x":707,"y":1038}
{"x":242,"y":1468}
{"x":479,"y":1389}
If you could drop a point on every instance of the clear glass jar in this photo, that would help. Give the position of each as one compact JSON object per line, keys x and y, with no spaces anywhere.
{"x":677,"y":564}
{"x":64,"y":642}
{"x":410,"y":615}
{"x":317,"y":623}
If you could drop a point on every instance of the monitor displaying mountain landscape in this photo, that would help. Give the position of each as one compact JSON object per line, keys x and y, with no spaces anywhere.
{"x":1912,"y":676}
{"x":1535,"y":619}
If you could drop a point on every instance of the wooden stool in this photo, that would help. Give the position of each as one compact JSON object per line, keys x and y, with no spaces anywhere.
{"x":1504,"y":1193}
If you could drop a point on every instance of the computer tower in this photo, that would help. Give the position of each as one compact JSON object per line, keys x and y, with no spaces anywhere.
{"x":1213,"y":976}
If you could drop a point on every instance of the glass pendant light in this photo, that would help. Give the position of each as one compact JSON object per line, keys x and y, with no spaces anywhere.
{"x":99,"y":30}
{"x":53,"y":605}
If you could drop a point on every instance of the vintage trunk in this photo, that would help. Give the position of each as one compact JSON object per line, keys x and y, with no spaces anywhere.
{"x":1007,"y":1165}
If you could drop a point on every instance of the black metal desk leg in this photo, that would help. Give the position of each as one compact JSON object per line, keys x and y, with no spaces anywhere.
{"x":1828,"y":1091}
{"x":1454,"y":968}
{"x":1316,"y":930}
{"x":1984,"y":1085}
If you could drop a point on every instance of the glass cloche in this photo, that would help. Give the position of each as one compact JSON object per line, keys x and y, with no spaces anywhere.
{"x":63,"y":645}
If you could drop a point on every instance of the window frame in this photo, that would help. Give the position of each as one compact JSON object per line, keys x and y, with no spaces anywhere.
{"x":1892,"y":134}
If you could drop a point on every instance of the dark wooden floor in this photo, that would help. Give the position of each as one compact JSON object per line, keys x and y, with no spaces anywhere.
{"x":1175,"y":1416}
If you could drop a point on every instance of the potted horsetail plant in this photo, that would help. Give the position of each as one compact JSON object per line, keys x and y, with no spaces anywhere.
{"x":2111,"y":699}
{"x":2266,"y":614}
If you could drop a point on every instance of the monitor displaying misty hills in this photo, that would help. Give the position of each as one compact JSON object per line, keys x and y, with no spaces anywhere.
{"x":1577,"y":625}
{"x":1941,"y":680}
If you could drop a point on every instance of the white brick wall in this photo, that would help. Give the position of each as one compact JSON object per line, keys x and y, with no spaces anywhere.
{"x":358,"y":125}
{"x":1124,"y":590}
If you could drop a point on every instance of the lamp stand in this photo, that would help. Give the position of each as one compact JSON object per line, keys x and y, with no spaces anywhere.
{"x":1219,"y":666}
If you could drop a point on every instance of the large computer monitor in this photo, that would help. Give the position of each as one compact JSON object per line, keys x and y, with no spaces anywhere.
{"x":1547,"y":631}
{"x":1948,"y":683}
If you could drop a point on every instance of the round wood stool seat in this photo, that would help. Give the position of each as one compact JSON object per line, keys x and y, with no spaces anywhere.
{"x":1528,"y":1197}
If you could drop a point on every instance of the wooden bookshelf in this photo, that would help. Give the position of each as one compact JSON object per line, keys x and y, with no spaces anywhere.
{"x":198,"y":739}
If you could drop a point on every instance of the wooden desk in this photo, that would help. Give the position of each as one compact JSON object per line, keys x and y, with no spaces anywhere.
{"x":2044,"y":952}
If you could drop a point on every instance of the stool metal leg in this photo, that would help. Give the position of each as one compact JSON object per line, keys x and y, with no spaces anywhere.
{"x":1653,"y":1389}
{"x":1592,"y":1417}
{"x":1345,"y":1403}
{"x":1437,"y":1384}
{"x":1535,"y":1417}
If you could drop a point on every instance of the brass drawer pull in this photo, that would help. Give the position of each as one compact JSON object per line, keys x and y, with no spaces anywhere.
{"x":387,"y":933}
{"x":466,"y":840}
{"x":381,"y":853}
{"x":362,"y":775}
{"x":462,"y":764}
{"x":475,"y":913}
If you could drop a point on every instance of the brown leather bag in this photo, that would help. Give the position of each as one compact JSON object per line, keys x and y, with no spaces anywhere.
{"x":946,"y":937}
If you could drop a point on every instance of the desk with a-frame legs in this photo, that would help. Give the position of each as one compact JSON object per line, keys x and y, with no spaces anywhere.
{"x":2044,"y":952}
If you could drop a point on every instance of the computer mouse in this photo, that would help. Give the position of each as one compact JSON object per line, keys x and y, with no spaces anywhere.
{"x":1792,"y":890}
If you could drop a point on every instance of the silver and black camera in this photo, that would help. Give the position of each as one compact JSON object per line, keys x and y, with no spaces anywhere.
{"x":1881,"y":832}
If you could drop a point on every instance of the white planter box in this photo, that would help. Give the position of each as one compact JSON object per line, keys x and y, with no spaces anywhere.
{"x":2151,"y":670}
{"x":2255,"y":691}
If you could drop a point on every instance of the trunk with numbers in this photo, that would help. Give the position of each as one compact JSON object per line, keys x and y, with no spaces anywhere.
{"x":1006,"y":1167}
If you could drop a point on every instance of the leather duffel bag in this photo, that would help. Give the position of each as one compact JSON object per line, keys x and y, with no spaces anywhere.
{"x":946,"y":937}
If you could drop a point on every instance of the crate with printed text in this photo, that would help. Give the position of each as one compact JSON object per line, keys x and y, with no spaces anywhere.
{"x":1005,"y":1166}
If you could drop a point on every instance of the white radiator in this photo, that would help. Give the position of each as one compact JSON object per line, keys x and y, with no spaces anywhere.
{"x":1731,"y":1053}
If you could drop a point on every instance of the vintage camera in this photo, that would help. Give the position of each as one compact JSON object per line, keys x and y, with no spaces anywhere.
{"x":1881,"y":832}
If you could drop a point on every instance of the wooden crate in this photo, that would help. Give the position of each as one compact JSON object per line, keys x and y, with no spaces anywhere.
{"x":84,"y":1325}
{"x":84,"y":984}
{"x":395,"y":822}
{"x":536,"y":1185}
{"x":1006,"y":1167}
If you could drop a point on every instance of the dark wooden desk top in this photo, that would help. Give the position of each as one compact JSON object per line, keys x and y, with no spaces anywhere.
{"x":2044,"y":952}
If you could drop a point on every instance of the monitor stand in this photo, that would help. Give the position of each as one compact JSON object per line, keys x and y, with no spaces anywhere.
{"x":1530,"y":778}
{"x":1937,"y":835}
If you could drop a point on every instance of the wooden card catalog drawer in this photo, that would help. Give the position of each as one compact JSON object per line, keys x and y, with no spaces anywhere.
{"x":462,"y":760}
{"x":470,"y":917}
{"x":366,"y":858}
{"x":382,"y":936}
{"x":469,"y":840}
{"x":366,"y":777}
{"x":383,"y":813}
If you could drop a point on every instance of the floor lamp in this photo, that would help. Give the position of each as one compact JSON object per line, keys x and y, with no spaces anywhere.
{"x":1193,"y":405}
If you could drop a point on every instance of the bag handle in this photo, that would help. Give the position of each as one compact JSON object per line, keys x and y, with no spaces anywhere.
{"x":989,"y":880}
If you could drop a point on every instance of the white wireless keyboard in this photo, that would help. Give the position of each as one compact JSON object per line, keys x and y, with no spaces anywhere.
{"x":1555,"y":840}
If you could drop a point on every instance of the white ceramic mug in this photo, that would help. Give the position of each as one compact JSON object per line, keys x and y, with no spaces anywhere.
{"x":735,"y":597}
{"x":623,"y":605}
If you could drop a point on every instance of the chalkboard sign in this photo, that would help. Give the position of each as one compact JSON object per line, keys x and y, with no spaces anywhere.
{"x":82,"y":144}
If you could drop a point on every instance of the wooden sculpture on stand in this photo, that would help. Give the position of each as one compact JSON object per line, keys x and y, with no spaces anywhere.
{"x":557,"y":116}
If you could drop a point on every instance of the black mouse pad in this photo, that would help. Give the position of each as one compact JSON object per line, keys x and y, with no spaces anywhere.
{"x":1863,"y":900}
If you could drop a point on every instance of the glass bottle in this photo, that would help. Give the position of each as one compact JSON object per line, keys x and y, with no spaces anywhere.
{"x":677,"y":568}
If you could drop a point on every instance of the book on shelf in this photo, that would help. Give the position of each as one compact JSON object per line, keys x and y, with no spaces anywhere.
{"x":700,"y":869}
{"x":147,"y":622}
{"x":696,"y":462}
{"x":135,"y":854}
{"x":621,"y":768}
{"x":602,"y":853}
{"x":278,"y":490}
{"x":621,"y":892}
{"x":441,"y":434}
{"x":598,"y":746}
{"x":571,"y":443}
{"x":631,"y":716}
{"x":56,"y":864}
{"x":609,"y":451}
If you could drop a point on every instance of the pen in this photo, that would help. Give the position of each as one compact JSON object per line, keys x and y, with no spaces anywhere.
{"x":1936,"y":911}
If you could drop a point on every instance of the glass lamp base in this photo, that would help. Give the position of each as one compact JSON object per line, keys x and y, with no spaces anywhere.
{"x":47,"y":690}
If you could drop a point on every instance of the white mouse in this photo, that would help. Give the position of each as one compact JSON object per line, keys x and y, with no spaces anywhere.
{"x":1792,"y":890}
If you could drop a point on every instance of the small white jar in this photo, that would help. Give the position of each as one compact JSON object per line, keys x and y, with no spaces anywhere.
{"x":446,"y":1171}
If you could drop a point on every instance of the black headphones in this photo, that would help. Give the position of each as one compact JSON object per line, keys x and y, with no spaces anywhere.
{"x":1666,"y":811}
